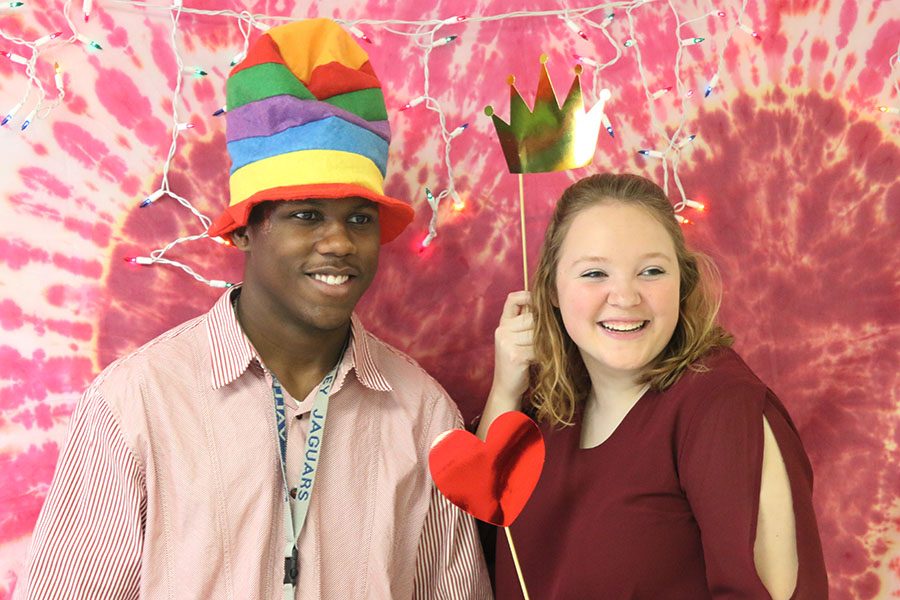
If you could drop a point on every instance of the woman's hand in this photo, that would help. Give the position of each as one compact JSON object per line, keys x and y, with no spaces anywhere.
{"x":513,"y":346}
{"x":513,"y":353}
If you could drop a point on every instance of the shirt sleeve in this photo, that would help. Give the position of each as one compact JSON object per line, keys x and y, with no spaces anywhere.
{"x":449,"y":560}
{"x":89,"y":536}
{"x":449,"y":563}
{"x":720,"y":468}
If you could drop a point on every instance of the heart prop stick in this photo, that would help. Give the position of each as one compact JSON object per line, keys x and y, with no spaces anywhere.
{"x":491,"y":480}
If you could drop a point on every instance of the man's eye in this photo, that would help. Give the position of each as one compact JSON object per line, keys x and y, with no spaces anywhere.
{"x":305,"y":215}
{"x":595,"y":274}
{"x":361,"y":219}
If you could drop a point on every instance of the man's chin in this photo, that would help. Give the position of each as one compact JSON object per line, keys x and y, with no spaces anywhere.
{"x":330,"y":322}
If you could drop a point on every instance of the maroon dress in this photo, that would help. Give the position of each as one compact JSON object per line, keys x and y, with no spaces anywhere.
{"x":666,"y":507}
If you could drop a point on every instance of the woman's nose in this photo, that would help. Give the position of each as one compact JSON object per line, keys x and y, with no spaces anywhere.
{"x":624,"y":293}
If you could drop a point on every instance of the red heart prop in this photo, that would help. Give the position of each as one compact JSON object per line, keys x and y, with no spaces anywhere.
{"x":490,"y":480}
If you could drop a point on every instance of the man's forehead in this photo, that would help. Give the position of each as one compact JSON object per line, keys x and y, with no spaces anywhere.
{"x":351,"y":201}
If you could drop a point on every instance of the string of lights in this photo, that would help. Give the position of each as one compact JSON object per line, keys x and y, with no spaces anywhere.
{"x":895,"y":63}
{"x":429,"y":36}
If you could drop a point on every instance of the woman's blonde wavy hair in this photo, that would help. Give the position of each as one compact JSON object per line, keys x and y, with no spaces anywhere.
{"x":559,"y":378}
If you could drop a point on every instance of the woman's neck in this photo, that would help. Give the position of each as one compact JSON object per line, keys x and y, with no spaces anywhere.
{"x":608,"y":403}
{"x":612,"y":392}
{"x":613,"y":388}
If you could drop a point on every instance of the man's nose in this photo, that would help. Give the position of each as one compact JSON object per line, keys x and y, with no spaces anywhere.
{"x":336,"y":240}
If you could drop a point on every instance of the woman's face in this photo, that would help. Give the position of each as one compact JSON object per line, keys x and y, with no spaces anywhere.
{"x":617,"y":285}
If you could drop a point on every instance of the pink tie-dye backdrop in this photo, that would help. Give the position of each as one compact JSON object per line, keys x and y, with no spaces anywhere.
{"x":797,"y":168}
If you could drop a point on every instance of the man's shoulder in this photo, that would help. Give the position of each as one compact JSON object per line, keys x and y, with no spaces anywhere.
{"x":165,"y":352}
{"x":401,"y":370}
{"x":416,"y":394}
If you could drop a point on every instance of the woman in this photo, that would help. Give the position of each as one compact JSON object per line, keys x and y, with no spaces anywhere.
{"x":672,"y":472}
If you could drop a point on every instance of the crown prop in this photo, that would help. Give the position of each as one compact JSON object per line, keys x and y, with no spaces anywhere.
{"x":548,"y":138}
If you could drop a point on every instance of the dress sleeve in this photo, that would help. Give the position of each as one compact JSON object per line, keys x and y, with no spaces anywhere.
{"x":720,"y":466}
{"x":89,"y":536}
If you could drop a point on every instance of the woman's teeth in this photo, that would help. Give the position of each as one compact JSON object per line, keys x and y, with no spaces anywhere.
{"x":622,"y":327}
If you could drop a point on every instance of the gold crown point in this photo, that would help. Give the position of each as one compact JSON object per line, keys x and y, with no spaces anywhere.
{"x":549,"y":136}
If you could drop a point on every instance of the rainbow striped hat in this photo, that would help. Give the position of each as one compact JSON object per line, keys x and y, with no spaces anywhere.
{"x":306,"y":119}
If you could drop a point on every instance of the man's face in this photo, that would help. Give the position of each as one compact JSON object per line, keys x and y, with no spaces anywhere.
{"x":309,"y":262}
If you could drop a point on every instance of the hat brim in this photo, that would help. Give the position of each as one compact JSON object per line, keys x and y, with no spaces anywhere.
{"x":393,"y":215}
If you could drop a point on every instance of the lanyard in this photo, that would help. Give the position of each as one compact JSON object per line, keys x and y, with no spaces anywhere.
{"x":296,"y":508}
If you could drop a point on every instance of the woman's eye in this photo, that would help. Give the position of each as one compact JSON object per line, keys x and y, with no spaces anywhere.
{"x":593,"y":274}
{"x":305,"y":215}
{"x":652,"y":271}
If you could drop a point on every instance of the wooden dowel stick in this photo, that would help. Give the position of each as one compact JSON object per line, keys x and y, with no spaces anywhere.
{"x":522,"y":218}
{"x":512,"y":549}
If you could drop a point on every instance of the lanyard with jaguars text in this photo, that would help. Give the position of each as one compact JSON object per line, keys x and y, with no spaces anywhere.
{"x":296,"y":506}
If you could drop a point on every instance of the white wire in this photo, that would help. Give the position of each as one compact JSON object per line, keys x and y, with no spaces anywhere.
{"x":423,"y":35}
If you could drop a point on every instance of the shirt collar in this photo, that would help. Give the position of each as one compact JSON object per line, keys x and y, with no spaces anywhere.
{"x":366,"y":368}
{"x":231,"y":351}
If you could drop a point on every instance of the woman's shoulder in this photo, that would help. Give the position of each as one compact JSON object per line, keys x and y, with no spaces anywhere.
{"x":719,"y":386}
{"x":719,"y":368}
{"x":715,"y":402}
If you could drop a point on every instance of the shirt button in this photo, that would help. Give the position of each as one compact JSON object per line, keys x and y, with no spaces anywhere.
{"x":293,"y":493}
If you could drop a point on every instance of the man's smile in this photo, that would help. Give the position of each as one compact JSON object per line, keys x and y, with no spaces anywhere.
{"x":331,"y":279}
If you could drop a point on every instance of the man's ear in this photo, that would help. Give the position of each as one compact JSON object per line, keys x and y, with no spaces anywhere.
{"x":241,"y":239}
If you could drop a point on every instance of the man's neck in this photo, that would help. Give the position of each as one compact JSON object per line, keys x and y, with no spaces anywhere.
{"x":298,"y":356}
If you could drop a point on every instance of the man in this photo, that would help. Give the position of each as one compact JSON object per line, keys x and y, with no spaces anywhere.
{"x":271,"y":448}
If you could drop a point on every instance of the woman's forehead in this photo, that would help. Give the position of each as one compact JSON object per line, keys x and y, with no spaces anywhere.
{"x":615,"y":225}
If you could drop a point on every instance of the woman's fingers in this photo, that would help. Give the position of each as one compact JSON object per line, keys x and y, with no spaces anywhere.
{"x":522,"y":322}
{"x":516,"y":303}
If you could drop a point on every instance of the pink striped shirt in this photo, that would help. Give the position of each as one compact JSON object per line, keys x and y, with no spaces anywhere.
{"x":169,"y":485}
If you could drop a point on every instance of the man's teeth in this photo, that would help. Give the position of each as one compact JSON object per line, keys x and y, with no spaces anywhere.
{"x":331,"y":279}
{"x":622,"y":327}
